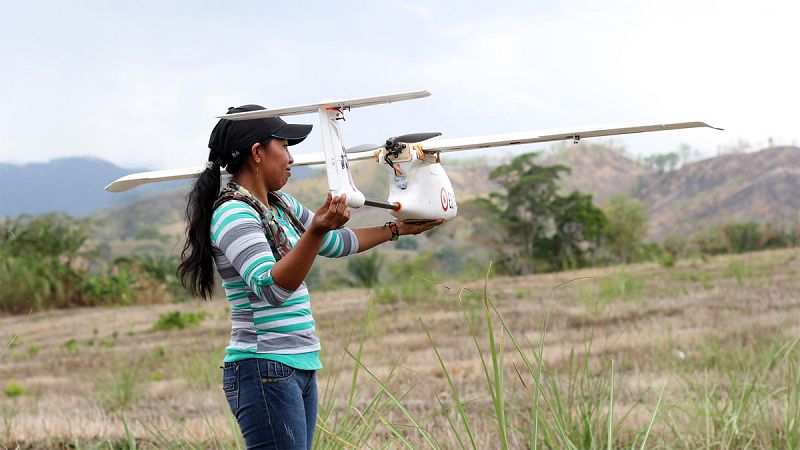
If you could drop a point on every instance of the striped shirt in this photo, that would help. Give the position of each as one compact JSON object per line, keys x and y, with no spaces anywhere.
{"x":267,"y":321}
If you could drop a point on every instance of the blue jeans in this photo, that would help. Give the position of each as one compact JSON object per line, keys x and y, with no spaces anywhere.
{"x":275,"y":405}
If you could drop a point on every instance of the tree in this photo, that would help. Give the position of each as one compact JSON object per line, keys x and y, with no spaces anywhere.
{"x":580,"y":226}
{"x":525,"y":206}
{"x":665,"y":162}
{"x":626,"y":228}
{"x":547,"y":230}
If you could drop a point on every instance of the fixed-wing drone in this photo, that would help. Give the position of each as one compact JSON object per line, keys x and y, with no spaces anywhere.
{"x":419,"y":188}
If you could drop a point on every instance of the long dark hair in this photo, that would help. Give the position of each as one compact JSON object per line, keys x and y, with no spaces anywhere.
{"x":196,"y":270}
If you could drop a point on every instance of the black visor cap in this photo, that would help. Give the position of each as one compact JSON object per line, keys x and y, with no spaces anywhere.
{"x":292,"y":132}
{"x":232,"y":138}
{"x":273,"y":126}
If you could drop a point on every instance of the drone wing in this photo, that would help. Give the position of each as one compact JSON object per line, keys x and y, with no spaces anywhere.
{"x":347,"y":104}
{"x":137,"y":179}
{"x":310,"y":159}
{"x":560,"y":134}
{"x":444,"y":145}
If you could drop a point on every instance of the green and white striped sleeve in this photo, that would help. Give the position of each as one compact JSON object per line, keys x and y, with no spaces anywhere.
{"x":237,"y":231}
{"x":337,"y":243}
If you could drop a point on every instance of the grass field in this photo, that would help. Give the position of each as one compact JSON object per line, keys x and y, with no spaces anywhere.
{"x":704,"y":354}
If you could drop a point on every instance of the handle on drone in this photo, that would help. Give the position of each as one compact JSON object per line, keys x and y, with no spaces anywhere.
{"x":382,"y":204}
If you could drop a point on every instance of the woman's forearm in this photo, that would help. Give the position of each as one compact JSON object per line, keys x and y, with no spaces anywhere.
{"x":371,"y":236}
{"x":292,"y":269}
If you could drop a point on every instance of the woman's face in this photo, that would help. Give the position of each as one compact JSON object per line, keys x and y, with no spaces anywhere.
{"x":275,"y":166}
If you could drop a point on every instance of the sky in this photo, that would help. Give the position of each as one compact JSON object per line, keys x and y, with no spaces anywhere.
{"x":139,"y":83}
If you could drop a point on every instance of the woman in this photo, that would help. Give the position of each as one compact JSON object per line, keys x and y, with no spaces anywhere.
{"x":263,"y":243}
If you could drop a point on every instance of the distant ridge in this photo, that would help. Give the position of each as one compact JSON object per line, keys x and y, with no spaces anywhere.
{"x":761,"y":186}
{"x":69,"y":185}
{"x":75,"y":186}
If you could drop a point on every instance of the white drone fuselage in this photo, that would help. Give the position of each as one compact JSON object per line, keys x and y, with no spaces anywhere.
{"x":422,"y":190}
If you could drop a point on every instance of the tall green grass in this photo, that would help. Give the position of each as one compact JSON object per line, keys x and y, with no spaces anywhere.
{"x":743,"y":400}
{"x":552,"y":412}
{"x":749,"y":399}
{"x":354,"y":422}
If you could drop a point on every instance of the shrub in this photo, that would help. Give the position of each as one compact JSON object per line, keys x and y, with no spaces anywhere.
{"x":121,"y":388}
{"x":163,"y":269}
{"x":14,"y":389}
{"x":626,"y":227}
{"x":743,"y":237}
{"x":366,"y":270}
{"x":176,"y":321}
{"x":668,"y":260}
{"x":71,"y":346}
{"x":108,"y":289}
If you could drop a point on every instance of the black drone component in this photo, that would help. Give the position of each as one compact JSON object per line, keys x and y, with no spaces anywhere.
{"x":395,"y":145}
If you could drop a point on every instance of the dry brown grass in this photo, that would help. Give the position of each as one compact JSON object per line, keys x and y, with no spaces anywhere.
{"x":673,"y":327}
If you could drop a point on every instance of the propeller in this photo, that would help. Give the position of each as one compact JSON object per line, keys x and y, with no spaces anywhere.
{"x":391,"y":143}
{"x":413,"y":138}
{"x":362,"y":148}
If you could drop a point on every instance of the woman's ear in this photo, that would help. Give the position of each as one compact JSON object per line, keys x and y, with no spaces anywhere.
{"x":255,"y":152}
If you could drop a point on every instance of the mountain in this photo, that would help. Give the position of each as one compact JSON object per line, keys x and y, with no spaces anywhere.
{"x":76,"y":186}
{"x":69,"y":185}
{"x":762,"y":186}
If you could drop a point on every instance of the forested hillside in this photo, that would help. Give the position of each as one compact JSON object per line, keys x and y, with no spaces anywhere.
{"x":570,"y":208}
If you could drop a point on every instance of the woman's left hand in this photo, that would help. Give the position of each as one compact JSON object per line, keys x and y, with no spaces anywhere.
{"x":405,"y":227}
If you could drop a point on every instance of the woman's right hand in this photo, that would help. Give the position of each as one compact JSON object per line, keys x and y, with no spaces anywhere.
{"x":330,"y":216}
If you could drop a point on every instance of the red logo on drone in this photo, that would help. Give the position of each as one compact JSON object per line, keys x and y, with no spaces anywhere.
{"x":443,"y":197}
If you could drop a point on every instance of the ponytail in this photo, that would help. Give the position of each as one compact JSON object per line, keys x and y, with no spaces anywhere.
{"x":196,"y":270}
